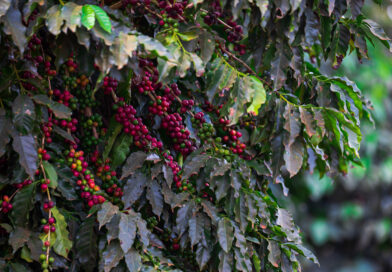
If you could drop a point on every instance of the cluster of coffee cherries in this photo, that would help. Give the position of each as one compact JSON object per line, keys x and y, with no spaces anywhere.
{"x":186,"y":105}
{"x":109,"y":85}
{"x":198,"y":119}
{"x":48,"y":70}
{"x":206,"y":133}
{"x":134,"y":126}
{"x":44,"y":264}
{"x":69,"y":123}
{"x":43,"y":154}
{"x":28,"y":86}
{"x":233,"y":139}
{"x":160,"y":105}
{"x":208,"y":107}
{"x":47,"y":128}
{"x":148,"y":81}
{"x":174,"y":127}
{"x":110,"y":181}
{"x":71,"y":65}
{"x":5,"y":204}
{"x":64,"y":97}
{"x":44,"y":184}
{"x":173,"y":9}
{"x":152,"y":222}
{"x":24,"y":183}
{"x":84,"y":95}
{"x":86,"y":182}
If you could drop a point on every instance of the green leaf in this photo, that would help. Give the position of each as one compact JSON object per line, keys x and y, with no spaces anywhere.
{"x":25,"y":254}
{"x":18,"y":238}
{"x":25,"y":146}
{"x":23,"y":111}
{"x":102,"y":18}
{"x":63,"y":133}
{"x":127,"y":231}
{"x":303,"y":251}
{"x":155,"y":197}
{"x":60,"y":110}
{"x":22,"y":204}
{"x":226,"y":262}
{"x":121,"y":149}
{"x":62,"y":244}
{"x":51,"y":174}
{"x":88,"y":16}
{"x":111,"y":256}
{"x":188,"y":35}
{"x":259,"y":95}
{"x":225,"y":234}
{"x":86,"y":244}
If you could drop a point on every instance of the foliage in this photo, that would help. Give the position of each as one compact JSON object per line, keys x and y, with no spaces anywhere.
{"x":145,"y":136}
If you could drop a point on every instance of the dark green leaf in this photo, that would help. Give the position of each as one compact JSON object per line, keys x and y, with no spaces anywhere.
{"x":13,"y":26}
{"x":51,"y":174}
{"x":196,"y":228}
{"x":86,"y":244}
{"x":23,"y":113}
{"x":183,"y":216}
{"x":22,"y":204}
{"x":26,"y":148}
{"x":193,"y":164}
{"x":121,"y":149}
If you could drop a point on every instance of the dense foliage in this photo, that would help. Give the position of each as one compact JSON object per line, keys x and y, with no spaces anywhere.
{"x":144,"y":136}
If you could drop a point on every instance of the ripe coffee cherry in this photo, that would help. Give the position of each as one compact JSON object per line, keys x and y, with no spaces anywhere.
{"x":46,"y":228}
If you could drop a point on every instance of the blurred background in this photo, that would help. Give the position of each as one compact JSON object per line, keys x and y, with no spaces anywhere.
{"x":347,"y":221}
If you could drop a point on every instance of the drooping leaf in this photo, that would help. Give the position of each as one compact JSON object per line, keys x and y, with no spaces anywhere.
{"x":121,"y":149}
{"x":183,"y":216}
{"x":106,"y":213}
{"x":54,"y":20}
{"x":133,"y":260}
{"x":196,"y":228}
{"x":22,"y":204}
{"x":155,"y":197}
{"x":71,"y":13}
{"x":86,"y":244}
{"x":4,"y":5}
{"x":193,"y":164}
{"x":278,"y":66}
{"x":26,"y":148}
{"x":13,"y":26}
{"x":203,"y":255}
{"x":18,"y":238}
{"x":134,"y":188}
{"x":134,"y":161}
{"x":225,"y":234}
{"x":127,"y":231}
{"x":274,"y":256}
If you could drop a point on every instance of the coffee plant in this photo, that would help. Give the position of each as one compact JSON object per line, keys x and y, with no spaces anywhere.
{"x":141,"y":135}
